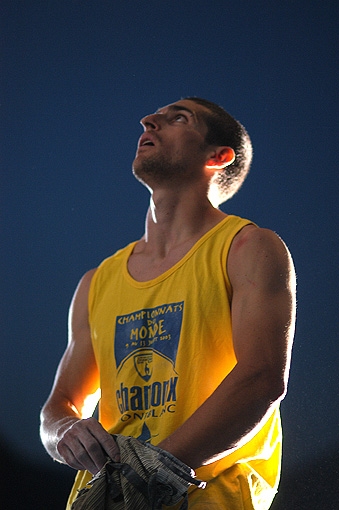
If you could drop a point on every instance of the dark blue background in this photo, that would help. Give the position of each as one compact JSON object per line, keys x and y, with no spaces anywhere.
{"x":76,"y":77}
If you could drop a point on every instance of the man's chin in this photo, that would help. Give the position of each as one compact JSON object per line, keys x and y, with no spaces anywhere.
{"x":145,"y":168}
{"x":139,"y":174}
{"x":137,"y":168}
{"x":157,"y":171}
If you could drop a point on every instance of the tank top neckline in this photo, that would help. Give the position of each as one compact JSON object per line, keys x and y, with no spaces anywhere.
{"x":175,"y":267}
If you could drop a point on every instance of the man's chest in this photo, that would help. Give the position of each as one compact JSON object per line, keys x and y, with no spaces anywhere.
{"x":143,"y":266}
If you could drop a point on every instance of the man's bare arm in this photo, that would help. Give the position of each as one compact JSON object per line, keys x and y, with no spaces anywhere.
{"x":67,"y":436}
{"x":263,"y":313}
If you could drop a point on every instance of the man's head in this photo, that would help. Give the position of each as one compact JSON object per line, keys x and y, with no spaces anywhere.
{"x":225,"y":130}
{"x":193,"y":139}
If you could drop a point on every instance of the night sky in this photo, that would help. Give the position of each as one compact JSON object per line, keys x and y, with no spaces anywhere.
{"x":76,"y":77}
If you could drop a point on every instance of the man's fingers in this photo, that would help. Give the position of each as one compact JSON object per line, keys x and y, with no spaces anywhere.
{"x":86,"y":445}
{"x":78,"y":458}
{"x":105,"y":439}
{"x":111,"y":448}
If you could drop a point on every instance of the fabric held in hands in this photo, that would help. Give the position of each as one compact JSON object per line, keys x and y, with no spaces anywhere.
{"x":146,"y":478}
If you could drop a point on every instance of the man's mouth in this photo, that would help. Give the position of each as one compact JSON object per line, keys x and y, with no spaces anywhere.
{"x":145,"y":141}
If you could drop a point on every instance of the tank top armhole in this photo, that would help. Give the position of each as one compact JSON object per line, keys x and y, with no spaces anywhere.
{"x":226,"y":250}
{"x":100,"y":272}
{"x":91,"y":293}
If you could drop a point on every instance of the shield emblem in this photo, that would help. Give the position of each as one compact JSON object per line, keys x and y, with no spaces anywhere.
{"x":143,"y":365}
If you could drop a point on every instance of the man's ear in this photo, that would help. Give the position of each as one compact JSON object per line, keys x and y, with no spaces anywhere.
{"x":221,"y":157}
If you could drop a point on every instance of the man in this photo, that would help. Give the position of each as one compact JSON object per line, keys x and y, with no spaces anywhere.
{"x":188,"y":331}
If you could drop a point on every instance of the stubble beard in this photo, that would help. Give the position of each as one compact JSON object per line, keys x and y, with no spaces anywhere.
{"x":158,"y":170}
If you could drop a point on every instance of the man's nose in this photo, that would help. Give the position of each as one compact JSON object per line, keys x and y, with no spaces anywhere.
{"x":151,"y":121}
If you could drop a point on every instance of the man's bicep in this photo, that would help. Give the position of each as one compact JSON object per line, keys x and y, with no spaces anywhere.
{"x":262,"y":330}
{"x":263,"y":303}
{"x":77,"y":375}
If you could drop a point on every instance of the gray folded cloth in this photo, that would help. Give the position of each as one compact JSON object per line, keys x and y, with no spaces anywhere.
{"x":146,"y":478}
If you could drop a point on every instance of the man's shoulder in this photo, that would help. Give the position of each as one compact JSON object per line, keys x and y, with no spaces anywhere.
{"x":258,"y":250}
{"x":117,"y":256}
{"x":251,"y":238}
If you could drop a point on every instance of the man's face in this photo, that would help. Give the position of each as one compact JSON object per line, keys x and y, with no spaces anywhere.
{"x":172,"y":147}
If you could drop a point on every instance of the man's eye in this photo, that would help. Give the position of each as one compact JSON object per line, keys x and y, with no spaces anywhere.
{"x":180,"y":118}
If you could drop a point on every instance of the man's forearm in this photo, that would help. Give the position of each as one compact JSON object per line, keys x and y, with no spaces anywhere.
{"x":81,"y":443}
{"x":227,"y":419}
{"x":54,"y":424}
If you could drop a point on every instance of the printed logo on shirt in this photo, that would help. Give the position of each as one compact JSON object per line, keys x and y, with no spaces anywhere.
{"x":143,"y":365}
{"x":146,"y":346}
{"x":151,"y":328}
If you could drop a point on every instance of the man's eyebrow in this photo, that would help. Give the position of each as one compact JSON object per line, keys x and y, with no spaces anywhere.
{"x":176,"y":108}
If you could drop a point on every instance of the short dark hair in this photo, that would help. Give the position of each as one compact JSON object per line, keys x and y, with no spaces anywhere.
{"x":223,"y":129}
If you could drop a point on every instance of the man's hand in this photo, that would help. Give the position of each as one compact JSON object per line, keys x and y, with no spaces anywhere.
{"x":86,"y":445}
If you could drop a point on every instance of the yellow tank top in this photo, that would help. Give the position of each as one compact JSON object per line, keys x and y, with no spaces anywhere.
{"x":162,"y":347}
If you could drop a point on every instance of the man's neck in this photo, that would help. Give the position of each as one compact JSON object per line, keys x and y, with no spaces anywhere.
{"x":174,"y":218}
